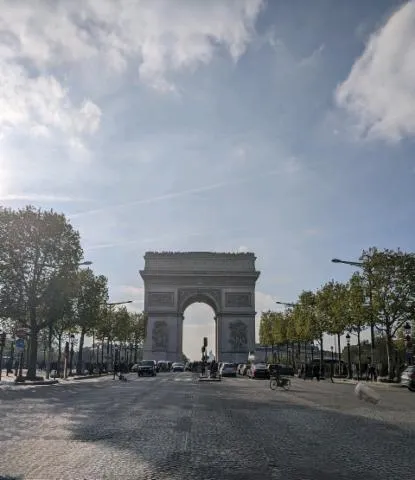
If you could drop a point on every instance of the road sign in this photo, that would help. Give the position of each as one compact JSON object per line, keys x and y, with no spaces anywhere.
{"x":19,"y":345}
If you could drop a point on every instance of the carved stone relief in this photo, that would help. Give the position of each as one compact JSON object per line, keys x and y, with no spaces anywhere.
{"x":238,"y":336}
{"x":186,"y":293}
{"x":238,"y":299}
{"x":161,"y":299}
{"x":160,"y":336}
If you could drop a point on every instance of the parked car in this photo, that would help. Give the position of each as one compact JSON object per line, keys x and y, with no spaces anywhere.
{"x":178,"y":367}
{"x":408,"y":378}
{"x":258,"y":370}
{"x":134,"y":368}
{"x":227,"y":370}
{"x":146,"y":367}
{"x":163,"y":366}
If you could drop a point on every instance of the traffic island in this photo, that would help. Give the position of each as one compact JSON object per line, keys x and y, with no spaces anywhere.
{"x":208,"y":379}
{"x":21,"y":381}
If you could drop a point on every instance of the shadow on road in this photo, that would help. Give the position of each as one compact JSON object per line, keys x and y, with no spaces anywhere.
{"x":228,"y":432}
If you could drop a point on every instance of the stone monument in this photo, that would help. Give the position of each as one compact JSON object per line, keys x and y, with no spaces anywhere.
{"x":175,"y":280}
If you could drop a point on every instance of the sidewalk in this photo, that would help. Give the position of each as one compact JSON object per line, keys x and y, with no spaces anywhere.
{"x":367,"y":382}
{"x":10,"y":380}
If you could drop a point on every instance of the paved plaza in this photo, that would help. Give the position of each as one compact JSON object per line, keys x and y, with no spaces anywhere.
{"x":174,"y":427}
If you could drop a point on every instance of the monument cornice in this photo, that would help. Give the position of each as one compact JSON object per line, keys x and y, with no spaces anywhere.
{"x":171,"y":275}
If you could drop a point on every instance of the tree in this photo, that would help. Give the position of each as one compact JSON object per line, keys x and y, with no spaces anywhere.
{"x":58,"y":311}
{"x":138,"y":323}
{"x":122,"y":327}
{"x":90,"y":300}
{"x":358,"y":313}
{"x":315,"y":317}
{"x":279,"y":331}
{"x":392,"y":288}
{"x":36,"y":247}
{"x":265,"y":329}
{"x":332,"y":302}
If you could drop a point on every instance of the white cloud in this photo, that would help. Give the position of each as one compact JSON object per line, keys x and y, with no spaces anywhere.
{"x":380,"y":89}
{"x":43,"y":44}
{"x":38,"y":104}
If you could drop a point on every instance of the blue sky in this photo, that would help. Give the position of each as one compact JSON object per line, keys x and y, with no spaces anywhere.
{"x":282,"y":128}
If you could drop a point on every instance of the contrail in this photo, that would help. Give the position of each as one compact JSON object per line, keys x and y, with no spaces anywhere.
{"x":123,"y":243}
{"x":170,"y":196}
{"x":38,"y":197}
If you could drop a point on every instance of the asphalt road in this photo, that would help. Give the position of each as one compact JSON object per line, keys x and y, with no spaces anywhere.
{"x":173,"y":427}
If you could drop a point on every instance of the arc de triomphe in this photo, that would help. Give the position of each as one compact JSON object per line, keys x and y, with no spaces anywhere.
{"x":175,"y":280}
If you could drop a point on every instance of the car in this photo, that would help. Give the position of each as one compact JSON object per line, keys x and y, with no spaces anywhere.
{"x":163,"y":366}
{"x":146,"y":367}
{"x":408,"y":378}
{"x":227,"y":370}
{"x":177,"y":367}
{"x":258,"y":370}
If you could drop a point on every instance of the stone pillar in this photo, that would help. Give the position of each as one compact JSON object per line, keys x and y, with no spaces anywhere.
{"x":164,"y":337}
{"x":236,"y":336}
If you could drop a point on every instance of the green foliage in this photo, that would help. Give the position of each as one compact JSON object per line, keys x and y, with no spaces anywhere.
{"x":358,"y":312}
{"x":391,"y":277}
{"x":332,"y":303}
{"x":265,"y":328}
{"x":90,"y":300}
{"x":38,"y":249}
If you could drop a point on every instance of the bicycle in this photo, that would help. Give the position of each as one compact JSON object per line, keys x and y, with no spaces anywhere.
{"x":283,"y":382}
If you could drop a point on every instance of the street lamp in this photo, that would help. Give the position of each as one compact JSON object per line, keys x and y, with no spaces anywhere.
{"x":369,"y":277}
{"x":349,"y":366}
{"x":286,"y":304}
{"x":71,"y":354}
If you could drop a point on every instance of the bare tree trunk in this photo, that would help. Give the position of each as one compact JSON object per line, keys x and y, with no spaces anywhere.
{"x":31,"y":371}
{"x":50,"y":335}
{"x":80,"y":353}
{"x":359,"y":355}
{"x":59,"y":354}
{"x":389,"y":352}
{"x":321,"y":355}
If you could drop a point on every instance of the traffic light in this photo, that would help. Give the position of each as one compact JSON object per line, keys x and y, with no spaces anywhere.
{"x":203,"y":349}
{"x":205,"y":342}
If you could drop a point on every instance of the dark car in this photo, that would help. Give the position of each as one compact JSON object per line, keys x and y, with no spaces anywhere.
{"x":408,"y":378}
{"x":146,"y":367}
{"x":178,"y":367}
{"x":258,"y":370}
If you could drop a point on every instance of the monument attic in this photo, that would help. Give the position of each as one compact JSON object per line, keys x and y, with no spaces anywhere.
{"x":175,"y":280}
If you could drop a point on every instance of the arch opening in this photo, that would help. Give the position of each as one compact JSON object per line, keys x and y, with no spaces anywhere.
{"x":198,"y":322}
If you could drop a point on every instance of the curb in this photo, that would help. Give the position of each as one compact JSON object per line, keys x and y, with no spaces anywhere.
{"x":209,"y":380}
{"x":29,"y":383}
{"x":86,"y":377}
{"x":372,"y":384}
